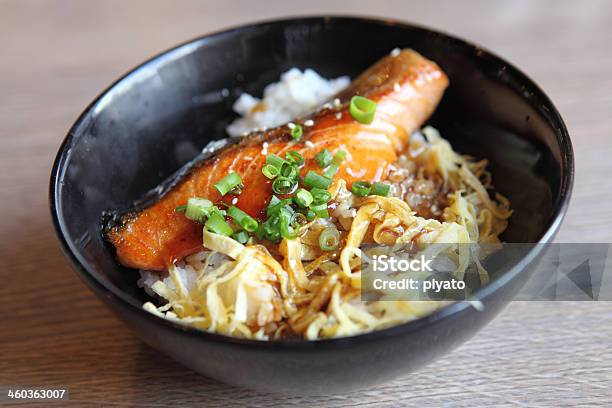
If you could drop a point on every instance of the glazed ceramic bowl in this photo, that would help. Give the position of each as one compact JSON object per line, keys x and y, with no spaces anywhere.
{"x":157,"y":118}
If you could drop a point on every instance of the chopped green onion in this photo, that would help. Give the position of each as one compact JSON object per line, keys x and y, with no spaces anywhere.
{"x":198,"y":209}
{"x":216,"y":209}
{"x":271,"y":229}
{"x":287,"y":206}
{"x":324,"y":158}
{"x":243,"y":219}
{"x":331,"y":171}
{"x":271,"y":211}
{"x":274,"y":160}
{"x":381,"y":189}
{"x":329,"y":239}
{"x":289,"y":170}
{"x":310,"y":215}
{"x":260,"y":233}
{"x":297,"y":132}
{"x":320,"y":210}
{"x":320,"y":196}
{"x":276,"y":204}
{"x":270,"y":171}
{"x":322,"y":214}
{"x":299,"y":219}
{"x":339,"y":156}
{"x":333,"y":168}
{"x":227,"y":183}
{"x":361,"y":188}
{"x":284,"y":185}
{"x":274,"y":236}
{"x":313,"y":179}
{"x":181,"y":208}
{"x":303,"y":198}
{"x":241,"y":236}
{"x":285,"y":227}
{"x":295,"y":157}
{"x":273,"y":201}
{"x":362,"y":109}
{"x":217,"y":224}
{"x":287,"y":231}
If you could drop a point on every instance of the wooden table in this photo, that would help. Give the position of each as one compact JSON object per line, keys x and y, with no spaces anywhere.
{"x":56,"y":55}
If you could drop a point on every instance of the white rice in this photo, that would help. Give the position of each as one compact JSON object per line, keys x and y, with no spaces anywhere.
{"x":295,"y":95}
{"x":187,"y":270}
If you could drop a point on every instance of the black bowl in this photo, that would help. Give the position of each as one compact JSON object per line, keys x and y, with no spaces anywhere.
{"x":156,"y":118}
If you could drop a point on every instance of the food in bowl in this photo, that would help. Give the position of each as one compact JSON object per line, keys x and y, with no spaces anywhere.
{"x":261,"y":239}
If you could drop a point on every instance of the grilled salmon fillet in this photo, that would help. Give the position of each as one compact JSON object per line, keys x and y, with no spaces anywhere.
{"x":407,"y":88}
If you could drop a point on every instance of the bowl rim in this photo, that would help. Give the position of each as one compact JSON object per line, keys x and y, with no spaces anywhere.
{"x":101,"y":285}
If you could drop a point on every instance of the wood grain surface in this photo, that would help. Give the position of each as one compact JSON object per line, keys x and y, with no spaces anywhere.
{"x":55,"y":56}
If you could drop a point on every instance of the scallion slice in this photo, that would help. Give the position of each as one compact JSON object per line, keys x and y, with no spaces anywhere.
{"x":331,"y":171}
{"x":324,"y":158}
{"x":274,"y":160}
{"x":295,"y":157}
{"x":270,"y":171}
{"x":289,"y":170}
{"x":381,"y":189}
{"x":260,"y":233}
{"x":274,"y":205}
{"x":299,"y":219}
{"x":339,"y":156}
{"x":283,"y":185}
{"x":303,"y":198}
{"x":241,"y":236}
{"x":274,"y":209}
{"x":296,"y":132}
{"x":217,"y":224}
{"x":243,"y":219}
{"x":227,"y":183}
{"x":361,"y":188}
{"x":320,"y":210}
{"x":273,"y":201}
{"x":362,"y":109}
{"x":320,"y":196}
{"x":285,"y":227}
{"x":270,"y":229}
{"x":274,"y":236}
{"x":313,"y":179}
{"x":329,"y":239}
{"x":310,"y":215}
{"x":198,"y":209}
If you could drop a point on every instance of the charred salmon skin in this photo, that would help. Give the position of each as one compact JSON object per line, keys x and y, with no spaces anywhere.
{"x":406,"y":87}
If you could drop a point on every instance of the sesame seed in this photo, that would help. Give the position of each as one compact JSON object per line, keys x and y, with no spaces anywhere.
{"x":309,"y":144}
{"x":396,"y":87}
{"x":309,"y":122}
{"x":234,"y":200}
{"x":290,"y":125}
{"x":339,"y":115}
{"x":395,"y":52}
{"x":265,"y":145}
{"x":336,"y":102}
